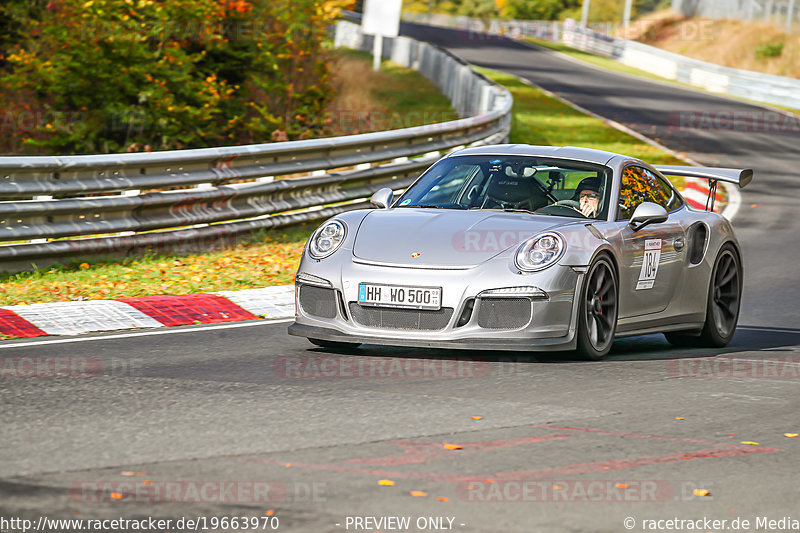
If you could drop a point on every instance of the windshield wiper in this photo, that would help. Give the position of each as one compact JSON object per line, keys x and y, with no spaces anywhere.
{"x":431,"y":206}
{"x":511,"y":210}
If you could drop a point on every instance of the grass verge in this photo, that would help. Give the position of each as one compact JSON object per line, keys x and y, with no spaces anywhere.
{"x":541,"y":119}
{"x":394,"y":97}
{"x":272,"y":258}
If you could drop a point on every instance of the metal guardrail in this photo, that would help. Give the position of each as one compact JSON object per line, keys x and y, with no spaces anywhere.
{"x":780,"y":11}
{"x":756,"y":86}
{"x":216,"y":195}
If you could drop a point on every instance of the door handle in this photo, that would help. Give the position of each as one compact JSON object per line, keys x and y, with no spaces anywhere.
{"x":680,"y":242}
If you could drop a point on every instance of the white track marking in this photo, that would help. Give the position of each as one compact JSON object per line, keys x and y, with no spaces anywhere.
{"x":72,"y":318}
{"x":167,"y":331}
{"x":271,"y":302}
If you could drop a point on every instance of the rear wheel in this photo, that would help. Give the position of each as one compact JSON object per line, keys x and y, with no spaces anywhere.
{"x":597,"y":311}
{"x":722,"y":307}
{"x":335,"y":345}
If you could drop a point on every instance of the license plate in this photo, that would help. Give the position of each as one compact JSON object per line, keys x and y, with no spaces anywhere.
{"x":399,"y":296}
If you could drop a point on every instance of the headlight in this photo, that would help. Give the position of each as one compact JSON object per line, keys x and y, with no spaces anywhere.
{"x":539,"y":252}
{"x":327,"y":239}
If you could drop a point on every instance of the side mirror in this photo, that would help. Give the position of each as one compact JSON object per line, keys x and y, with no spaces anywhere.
{"x":647,"y":213}
{"x":382,"y":198}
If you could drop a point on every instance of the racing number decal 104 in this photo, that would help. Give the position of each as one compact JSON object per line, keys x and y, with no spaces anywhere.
{"x":652,"y":256}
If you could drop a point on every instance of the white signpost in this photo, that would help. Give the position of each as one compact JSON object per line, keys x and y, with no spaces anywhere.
{"x":381,"y":19}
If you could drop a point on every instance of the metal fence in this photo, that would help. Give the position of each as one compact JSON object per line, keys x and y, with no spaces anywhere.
{"x":765,"y":88}
{"x":777,"y":11}
{"x":63,"y":207}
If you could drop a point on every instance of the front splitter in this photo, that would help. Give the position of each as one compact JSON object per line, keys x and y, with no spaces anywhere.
{"x":471,"y":343}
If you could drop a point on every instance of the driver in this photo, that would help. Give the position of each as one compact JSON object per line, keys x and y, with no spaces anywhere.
{"x":588,"y":193}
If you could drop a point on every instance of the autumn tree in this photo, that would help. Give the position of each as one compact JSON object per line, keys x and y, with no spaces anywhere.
{"x":88,"y":76}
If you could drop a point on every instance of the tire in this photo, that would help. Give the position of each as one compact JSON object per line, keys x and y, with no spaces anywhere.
{"x":597,"y":310}
{"x":335,"y":345}
{"x":722,"y":305}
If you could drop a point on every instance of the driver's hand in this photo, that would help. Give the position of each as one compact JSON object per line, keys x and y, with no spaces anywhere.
{"x":570,"y":206}
{"x":588,"y":210}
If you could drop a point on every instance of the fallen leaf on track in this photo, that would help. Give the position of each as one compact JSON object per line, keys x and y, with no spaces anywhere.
{"x":790,"y":435}
{"x":476,"y":417}
{"x":442,"y":499}
{"x":621,"y":486}
{"x":385,"y":482}
{"x":451,"y":446}
{"x":751,"y":443}
{"x":701,"y":492}
{"x":418,"y":493}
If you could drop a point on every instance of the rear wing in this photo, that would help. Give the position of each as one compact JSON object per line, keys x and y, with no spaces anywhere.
{"x":741,"y":177}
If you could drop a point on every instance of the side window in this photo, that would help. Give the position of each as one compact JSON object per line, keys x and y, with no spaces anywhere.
{"x":673,"y":200}
{"x":640,"y":185}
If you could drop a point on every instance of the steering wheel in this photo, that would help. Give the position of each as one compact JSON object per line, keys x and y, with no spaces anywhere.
{"x":502,"y":204}
{"x":574,"y":204}
{"x":562,"y":208}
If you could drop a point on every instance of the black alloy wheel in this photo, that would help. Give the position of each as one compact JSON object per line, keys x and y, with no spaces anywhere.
{"x":722,"y":306}
{"x":598,"y":311}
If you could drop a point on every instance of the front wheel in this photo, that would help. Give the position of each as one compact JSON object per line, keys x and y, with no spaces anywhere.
{"x":722,"y":307}
{"x":597,"y":311}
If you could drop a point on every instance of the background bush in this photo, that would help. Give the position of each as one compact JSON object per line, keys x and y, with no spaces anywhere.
{"x":88,"y":76}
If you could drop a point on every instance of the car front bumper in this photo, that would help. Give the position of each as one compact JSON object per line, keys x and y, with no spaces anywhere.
{"x":541,"y":323}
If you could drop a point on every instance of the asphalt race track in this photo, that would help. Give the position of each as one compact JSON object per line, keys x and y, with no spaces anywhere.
{"x":234,"y":421}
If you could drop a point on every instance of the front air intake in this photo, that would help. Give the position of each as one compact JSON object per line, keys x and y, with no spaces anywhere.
{"x":318,"y":301}
{"x":504,"y":313}
{"x":392,"y":318}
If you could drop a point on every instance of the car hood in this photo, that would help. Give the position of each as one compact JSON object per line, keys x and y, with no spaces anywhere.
{"x":423,"y":237}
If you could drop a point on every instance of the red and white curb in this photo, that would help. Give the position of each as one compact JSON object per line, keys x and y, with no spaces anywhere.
{"x":74,"y":318}
{"x":696,"y":193}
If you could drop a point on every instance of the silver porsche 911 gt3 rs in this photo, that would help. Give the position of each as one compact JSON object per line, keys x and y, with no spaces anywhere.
{"x":517,"y":247}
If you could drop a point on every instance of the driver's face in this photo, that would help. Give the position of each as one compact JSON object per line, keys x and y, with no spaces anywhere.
{"x":589,"y":199}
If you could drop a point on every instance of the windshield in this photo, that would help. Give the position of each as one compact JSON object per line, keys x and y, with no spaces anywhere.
{"x":513,"y":183}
